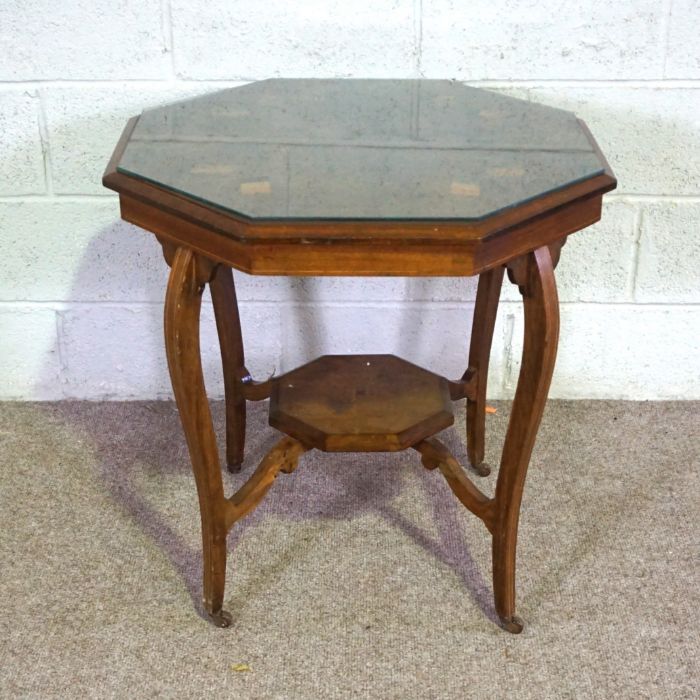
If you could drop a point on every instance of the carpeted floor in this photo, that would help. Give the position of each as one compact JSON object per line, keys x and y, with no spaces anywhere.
{"x":358,"y":576}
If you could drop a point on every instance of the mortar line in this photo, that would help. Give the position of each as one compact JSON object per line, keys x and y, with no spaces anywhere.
{"x":76,"y":197}
{"x":82,"y":82}
{"x":217,"y":395}
{"x":507,"y":359}
{"x":62,"y":367}
{"x":667,"y":83}
{"x":427,"y":304}
{"x":45,"y":145}
{"x":667,"y":37}
{"x":634,"y":197}
{"x":418,"y":35}
{"x":634,"y":270}
{"x":56,"y":197}
{"x":167,"y":11}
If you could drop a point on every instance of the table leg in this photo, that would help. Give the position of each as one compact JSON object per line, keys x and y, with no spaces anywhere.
{"x":487,"y":297}
{"x":188,"y":276}
{"x":534,"y":275}
{"x":228,"y":324}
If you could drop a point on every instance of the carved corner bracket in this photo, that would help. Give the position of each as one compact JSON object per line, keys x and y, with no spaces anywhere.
{"x":518,"y":269}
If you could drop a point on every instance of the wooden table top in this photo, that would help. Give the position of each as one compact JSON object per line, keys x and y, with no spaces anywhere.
{"x":359,"y":177}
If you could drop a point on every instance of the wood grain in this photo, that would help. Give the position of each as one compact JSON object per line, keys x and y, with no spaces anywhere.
{"x":188,"y":277}
{"x":435,"y":455}
{"x":329,"y":407}
{"x":228,"y":324}
{"x":368,"y":257}
{"x":182,"y":309}
{"x":430,"y":231}
{"x":357,"y":247}
{"x":485,"y":309}
{"x":360,"y":403}
{"x":534,"y":276}
{"x":283,"y":457}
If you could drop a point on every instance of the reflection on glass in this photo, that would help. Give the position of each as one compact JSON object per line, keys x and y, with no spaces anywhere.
{"x":359,"y":149}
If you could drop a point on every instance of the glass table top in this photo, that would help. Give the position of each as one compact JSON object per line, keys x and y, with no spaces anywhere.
{"x":359,"y":149}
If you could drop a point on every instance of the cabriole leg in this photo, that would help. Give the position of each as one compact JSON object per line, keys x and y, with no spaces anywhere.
{"x":534,"y":274}
{"x":485,"y":309}
{"x":188,"y":276}
{"x":223,"y":295}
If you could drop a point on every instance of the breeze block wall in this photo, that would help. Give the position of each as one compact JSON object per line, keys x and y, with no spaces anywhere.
{"x":81,"y":292}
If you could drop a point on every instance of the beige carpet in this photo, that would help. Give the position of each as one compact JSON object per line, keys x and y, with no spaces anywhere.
{"x":360,"y":576}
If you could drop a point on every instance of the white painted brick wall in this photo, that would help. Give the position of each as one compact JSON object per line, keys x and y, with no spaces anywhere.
{"x":114,"y":351}
{"x":669,"y":253}
{"x":255,"y":40}
{"x":598,"y":342}
{"x":81,"y":292}
{"x":83,"y":40}
{"x":650,"y":135}
{"x":543,"y":39}
{"x":21,"y":156}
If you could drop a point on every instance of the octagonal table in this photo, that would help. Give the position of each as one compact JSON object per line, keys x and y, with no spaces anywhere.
{"x":359,"y":177}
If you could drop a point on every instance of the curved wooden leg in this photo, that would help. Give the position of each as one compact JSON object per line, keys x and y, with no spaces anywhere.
{"x":487,"y":296}
{"x":228,"y":324}
{"x":189,"y":273}
{"x":534,"y":274}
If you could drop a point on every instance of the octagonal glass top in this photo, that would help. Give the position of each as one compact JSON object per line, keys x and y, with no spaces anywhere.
{"x":359,"y":149}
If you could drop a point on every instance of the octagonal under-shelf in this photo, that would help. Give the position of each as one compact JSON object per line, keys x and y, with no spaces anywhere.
{"x":360,"y":403}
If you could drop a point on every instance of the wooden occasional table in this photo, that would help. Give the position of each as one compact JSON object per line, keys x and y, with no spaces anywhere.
{"x":359,"y":177}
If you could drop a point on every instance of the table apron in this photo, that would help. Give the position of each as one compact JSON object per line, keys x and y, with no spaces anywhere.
{"x":365,"y":257}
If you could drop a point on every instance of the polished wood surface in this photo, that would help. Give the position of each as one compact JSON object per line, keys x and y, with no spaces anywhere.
{"x":334,"y":404}
{"x":347,"y":247}
{"x":360,"y":403}
{"x":183,"y":300}
{"x":486,"y":306}
{"x":435,"y":455}
{"x":280,"y":151}
{"x":283,"y":457}
{"x":228,"y":324}
{"x":439,"y":232}
{"x":188,"y":276}
{"x":364,"y":257}
{"x":534,"y":275}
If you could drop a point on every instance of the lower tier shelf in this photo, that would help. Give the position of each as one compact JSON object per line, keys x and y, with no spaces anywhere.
{"x":360,"y":403}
